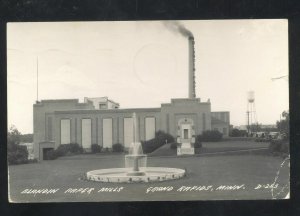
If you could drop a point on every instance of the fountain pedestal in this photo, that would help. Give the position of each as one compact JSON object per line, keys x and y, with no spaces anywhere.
{"x":135,"y":169}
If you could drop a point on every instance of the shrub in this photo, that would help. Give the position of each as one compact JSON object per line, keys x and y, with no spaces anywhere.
{"x":160,"y":139}
{"x":75,"y":148}
{"x":173,"y":145}
{"x":69,"y":149}
{"x":238,"y":133}
{"x":285,"y":147}
{"x":96,"y":148}
{"x":64,"y":150}
{"x":52,"y":154}
{"x":163,"y":137}
{"x":17,"y":154}
{"x":118,"y":147}
{"x":32,"y":160}
{"x":198,"y":143}
{"x":279,"y":146}
{"x":210,"y":136}
{"x":150,"y":145}
{"x":26,"y":138}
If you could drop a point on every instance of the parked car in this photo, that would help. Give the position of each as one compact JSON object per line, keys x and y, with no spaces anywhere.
{"x":260,"y":134}
{"x":273,"y":135}
{"x":260,"y":137}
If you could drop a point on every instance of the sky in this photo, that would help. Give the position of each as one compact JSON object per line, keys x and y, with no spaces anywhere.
{"x":144,"y":63}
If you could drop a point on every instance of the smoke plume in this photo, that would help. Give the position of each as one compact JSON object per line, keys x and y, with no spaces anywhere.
{"x":177,"y":27}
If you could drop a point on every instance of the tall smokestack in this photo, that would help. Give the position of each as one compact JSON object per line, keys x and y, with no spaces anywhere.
{"x":177,"y":27}
{"x":192,"y":92}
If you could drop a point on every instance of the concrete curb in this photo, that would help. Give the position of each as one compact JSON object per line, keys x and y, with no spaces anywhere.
{"x":238,"y":152}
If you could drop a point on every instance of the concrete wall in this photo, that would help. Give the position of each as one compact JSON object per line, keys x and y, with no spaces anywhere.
{"x":222,"y":128}
{"x":116,"y":116}
{"x":45,"y":109}
{"x":181,"y":108}
{"x":223,"y":116}
{"x":221,"y":122}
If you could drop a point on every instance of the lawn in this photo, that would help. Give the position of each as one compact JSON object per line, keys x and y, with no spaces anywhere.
{"x":248,"y":171}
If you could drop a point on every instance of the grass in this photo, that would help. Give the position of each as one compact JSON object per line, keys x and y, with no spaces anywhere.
{"x":66,"y":172}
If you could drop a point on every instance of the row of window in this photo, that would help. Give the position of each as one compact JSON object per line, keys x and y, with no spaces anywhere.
{"x":107,"y":131}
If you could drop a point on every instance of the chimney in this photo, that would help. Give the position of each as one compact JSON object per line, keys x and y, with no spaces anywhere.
{"x":192,"y":92}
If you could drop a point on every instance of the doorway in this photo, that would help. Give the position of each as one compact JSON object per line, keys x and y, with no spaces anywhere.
{"x":185,"y":133}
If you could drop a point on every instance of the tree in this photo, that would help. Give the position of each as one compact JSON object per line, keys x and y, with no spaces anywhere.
{"x":284,"y":124}
{"x":238,"y":133}
{"x":13,"y":136}
{"x":16,"y":154}
{"x":27,"y":138}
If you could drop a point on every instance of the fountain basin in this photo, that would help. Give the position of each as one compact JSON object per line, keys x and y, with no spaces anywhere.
{"x":151,"y":174}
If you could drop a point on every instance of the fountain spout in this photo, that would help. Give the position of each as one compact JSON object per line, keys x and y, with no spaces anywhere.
{"x":135,"y":159}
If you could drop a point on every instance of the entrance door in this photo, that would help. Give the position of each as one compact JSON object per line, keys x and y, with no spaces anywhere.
{"x":185,"y":133}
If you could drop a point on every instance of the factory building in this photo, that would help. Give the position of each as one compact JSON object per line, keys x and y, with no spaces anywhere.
{"x":101,"y":121}
{"x":59,"y":122}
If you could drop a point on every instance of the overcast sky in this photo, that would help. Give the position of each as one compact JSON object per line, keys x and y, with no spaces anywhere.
{"x":144,"y":64}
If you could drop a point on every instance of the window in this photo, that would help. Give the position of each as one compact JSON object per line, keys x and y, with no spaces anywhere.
{"x":128,"y":131}
{"x":107,"y":133}
{"x":65,"y":131}
{"x":149,"y":128}
{"x":204,"y":121}
{"x":86,"y":133}
{"x":102,"y":106}
{"x":49,"y":128}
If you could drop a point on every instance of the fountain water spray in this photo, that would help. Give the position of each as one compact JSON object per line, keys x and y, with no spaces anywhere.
{"x":135,"y":159}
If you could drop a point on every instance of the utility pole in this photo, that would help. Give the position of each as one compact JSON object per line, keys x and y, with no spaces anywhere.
{"x":37,"y":79}
{"x":280,"y":123}
{"x":248,"y":126}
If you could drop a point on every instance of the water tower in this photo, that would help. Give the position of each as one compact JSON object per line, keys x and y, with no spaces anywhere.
{"x":251,"y":112}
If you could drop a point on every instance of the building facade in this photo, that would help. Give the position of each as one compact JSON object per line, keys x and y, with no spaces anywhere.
{"x":59,"y":122}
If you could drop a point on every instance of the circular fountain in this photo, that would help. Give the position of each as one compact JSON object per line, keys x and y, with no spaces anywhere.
{"x":136,"y":169}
